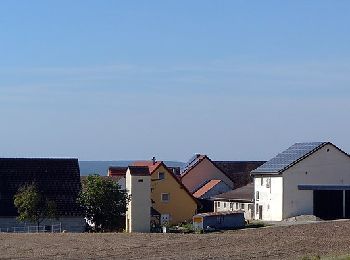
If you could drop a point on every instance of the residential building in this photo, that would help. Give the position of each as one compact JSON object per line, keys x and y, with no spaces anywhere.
{"x":118,"y":174}
{"x":138,"y":185}
{"x":239,"y":199}
{"x":210,"y":189}
{"x":169,"y":196}
{"x":202,"y":174}
{"x":57,"y":179}
{"x":306,"y":179}
{"x":200,"y":170}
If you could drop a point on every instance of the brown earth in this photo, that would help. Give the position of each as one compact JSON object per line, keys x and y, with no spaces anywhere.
{"x":288,"y":242}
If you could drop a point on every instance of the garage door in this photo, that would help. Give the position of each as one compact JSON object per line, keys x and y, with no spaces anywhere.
{"x":328,"y":204}
{"x":347,"y":204}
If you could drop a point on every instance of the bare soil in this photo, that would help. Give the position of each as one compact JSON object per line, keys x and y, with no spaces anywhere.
{"x":283,"y":242}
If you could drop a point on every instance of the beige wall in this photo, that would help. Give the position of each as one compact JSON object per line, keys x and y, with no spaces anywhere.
{"x":204,"y":172}
{"x":138,"y":215}
{"x":181,"y":206}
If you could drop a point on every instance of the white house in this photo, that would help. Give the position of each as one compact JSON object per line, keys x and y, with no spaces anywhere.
{"x":138,"y":186}
{"x":241,"y":199}
{"x":306,"y":179}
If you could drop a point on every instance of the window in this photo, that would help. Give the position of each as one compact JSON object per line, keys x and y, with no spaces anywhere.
{"x":224,"y":204}
{"x":161,"y":175}
{"x":257,"y":196}
{"x":262,"y":181}
{"x":236,"y":205}
{"x":242,"y":205}
{"x":231,"y":205}
{"x":218,"y":204}
{"x":257,"y":208}
{"x":268,"y":182}
{"x":140,"y":180}
{"x":165,"y":197}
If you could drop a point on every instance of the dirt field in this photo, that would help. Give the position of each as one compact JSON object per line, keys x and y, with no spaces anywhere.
{"x":292,"y":242}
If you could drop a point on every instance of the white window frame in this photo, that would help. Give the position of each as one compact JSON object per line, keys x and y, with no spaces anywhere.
{"x":159,"y":175}
{"x":161,"y":197}
{"x":257,"y":195}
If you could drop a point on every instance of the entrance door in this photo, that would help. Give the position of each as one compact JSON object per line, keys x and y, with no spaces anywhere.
{"x":260,"y":211}
{"x":164,"y":219}
{"x":328,"y":204}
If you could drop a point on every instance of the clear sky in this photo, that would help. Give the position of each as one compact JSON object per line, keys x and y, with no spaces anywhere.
{"x":114,"y":80}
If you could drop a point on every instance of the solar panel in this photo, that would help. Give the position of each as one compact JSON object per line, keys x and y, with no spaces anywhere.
{"x":190,"y":162}
{"x":286,"y":158}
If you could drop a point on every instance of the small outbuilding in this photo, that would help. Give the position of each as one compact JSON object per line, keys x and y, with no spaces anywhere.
{"x":219,"y":220}
{"x":238,"y":199}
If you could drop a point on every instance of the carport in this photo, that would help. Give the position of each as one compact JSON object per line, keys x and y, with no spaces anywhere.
{"x":330,"y":201}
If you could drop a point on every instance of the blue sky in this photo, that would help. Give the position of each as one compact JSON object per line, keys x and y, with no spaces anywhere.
{"x":114,"y":80}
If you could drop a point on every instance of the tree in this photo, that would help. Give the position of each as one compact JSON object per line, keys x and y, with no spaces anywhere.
{"x":103,"y":202}
{"x":33,"y":206}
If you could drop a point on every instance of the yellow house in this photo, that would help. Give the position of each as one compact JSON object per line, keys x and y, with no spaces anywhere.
{"x":169,"y":196}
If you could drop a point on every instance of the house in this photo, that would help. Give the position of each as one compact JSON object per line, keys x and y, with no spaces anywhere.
{"x":210,"y":189}
{"x":138,"y":214}
{"x":205,"y":178}
{"x":57,"y":179}
{"x":306,"y":179}
{"x":200,"y":170}
{"x":218,"y":220}
{"x":238,"y":199}
{"x":118,"y":174}
{"x":169,"y":196}
{"x":117,"y":171}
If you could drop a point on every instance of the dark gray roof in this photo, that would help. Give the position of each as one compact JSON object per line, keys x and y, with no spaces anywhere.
{"x":57,"y":179}
{"x":289,"y":157}
{"x":238,"y":171}
{"x":245,"y":193}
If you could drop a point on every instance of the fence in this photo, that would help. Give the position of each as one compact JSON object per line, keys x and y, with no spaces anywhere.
{"x":55,"y":228}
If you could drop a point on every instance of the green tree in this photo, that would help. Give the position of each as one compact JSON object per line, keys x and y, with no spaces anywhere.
{"x":33,"y":206}
{"x":103,"y":202}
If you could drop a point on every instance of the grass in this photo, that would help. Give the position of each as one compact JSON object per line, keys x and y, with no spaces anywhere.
{"x":256,"y":224}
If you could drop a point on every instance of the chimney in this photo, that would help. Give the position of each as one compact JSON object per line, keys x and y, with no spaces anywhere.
{"x":154,"y":160}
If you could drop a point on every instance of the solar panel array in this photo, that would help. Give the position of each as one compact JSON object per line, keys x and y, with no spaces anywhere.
{"x":286,"y":158}
{"x":190,"y":162}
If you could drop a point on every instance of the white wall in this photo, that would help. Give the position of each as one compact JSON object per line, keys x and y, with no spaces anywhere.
{"x":270,"y":198}
{"x":322,"y":167}
{"x":204,"y":172}
{"x":138,"y":215}
{"x":225,"y":205}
